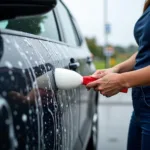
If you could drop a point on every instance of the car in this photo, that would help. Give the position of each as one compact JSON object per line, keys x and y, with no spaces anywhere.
{"x":34,"y":113}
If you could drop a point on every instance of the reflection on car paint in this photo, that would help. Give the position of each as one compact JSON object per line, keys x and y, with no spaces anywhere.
{"x":8,"y":131}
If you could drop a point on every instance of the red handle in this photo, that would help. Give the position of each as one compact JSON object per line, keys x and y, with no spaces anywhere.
{"x":88,"y":79}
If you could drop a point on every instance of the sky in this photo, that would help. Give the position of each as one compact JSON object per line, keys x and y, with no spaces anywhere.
{"x":122,"y":15}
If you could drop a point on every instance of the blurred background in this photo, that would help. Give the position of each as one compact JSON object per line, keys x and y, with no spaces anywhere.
{"x":108,"y":27}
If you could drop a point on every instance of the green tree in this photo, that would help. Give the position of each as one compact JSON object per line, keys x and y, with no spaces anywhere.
{"x":95,"y":49}
{"x":132,"y":48}
{"x":119,"y":49}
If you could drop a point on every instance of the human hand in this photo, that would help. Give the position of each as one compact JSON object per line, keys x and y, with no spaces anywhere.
{"x":103,"y":72}
{"x":109,"y":85}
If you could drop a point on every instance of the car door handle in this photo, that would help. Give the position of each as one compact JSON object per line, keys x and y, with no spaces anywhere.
{"x":74,"y":65}
{"x":89,"y":60}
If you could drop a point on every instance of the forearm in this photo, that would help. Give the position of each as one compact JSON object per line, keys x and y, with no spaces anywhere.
{"x":126,"y":65}
{"x":139,"y":77}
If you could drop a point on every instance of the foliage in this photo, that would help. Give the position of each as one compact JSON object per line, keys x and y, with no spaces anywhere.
{"x":120,"y":51}
{"x":95,"y":48}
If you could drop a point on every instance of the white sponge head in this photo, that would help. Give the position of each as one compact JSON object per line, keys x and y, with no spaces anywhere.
{"x":66,"y":79}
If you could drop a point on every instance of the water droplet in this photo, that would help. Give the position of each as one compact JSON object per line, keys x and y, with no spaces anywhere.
{"x":20,"y":63}
{"x":57,"y":130}
{"x":7,"y":122}
{"x":10,"y":72}
{"x":18,"y":127}
{"x":24,"y":118}
{"x":37,"y":110}
{"x":15,"y":143}
{"x":7,"y":41}
{"x":2,"y":79}
{"x":30,"y":111}
{"x":36,"y":62}
{"x":27,"y":88}
{"x":16,"y":45}
{"x":12,"y":78}
{"x":27,"y":52}
{"x":28,"y":98}
{"x":8,"y":64}
{"x":28,"y":43}
{"x":15,"y":113}
{"x":69,"y":97}
{"x":33,"y":138}
{"x":30,"y":58}
{"x":23,"y":71}
{"x":27,"y":147}
{"x":4,"y":93}
{"x":49,"y":68}
{"x":65,"y":130}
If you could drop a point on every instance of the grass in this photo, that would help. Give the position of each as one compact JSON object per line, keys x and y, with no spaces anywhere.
{"x":99,"y":64}
{"x":120,"y":58}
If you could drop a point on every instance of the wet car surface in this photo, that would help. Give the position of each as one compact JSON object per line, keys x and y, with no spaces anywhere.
{"x":34,"y":113}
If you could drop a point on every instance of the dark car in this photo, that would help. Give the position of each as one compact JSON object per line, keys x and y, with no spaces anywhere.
{"x":34,"y":113}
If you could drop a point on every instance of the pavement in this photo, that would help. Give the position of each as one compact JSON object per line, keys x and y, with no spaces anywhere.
{"x":114,"y":117}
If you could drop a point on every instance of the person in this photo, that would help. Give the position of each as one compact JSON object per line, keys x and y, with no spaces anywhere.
{"x":133,"y":73}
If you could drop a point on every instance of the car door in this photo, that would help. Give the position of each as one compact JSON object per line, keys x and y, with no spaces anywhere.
{"x":81,"y":55}
{"x":33,"y":111}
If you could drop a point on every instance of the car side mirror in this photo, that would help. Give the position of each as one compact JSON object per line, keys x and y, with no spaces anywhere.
{"x":17,"y":8}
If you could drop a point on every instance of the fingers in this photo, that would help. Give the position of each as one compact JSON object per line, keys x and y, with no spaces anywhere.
{"x":88,"y":88}
{"x":94,"y":84}
{"x":103,"y":74}
{"x":112,"y":93}
{"x":106,"y":91}
{"x":109,"y":92}
{"x":98,"y":73}
{"x":98,"y":88}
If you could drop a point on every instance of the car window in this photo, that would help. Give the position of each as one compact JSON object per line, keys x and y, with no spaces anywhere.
{"x":78,"y":32}
{"x":68,"y":29}
{"x":43,"y":25}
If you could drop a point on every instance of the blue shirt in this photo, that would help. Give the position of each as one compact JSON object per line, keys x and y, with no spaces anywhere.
{"x":142,"y":36}
{"x":141,"y":95}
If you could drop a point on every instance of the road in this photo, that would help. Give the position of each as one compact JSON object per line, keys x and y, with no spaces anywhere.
{"x":114,"y":117}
